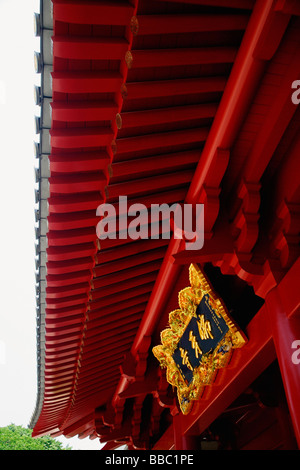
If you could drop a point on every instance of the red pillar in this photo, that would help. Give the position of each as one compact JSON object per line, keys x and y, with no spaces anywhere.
{"x":182,"y":441}
{"x":285,"y":327}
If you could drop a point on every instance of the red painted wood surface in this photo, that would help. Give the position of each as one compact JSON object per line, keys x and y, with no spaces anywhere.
{"x":164,"y":102}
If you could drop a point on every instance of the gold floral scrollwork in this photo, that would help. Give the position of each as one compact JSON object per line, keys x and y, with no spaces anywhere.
{"x":179,"y":322}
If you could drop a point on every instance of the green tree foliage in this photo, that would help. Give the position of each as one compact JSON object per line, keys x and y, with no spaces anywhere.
{"x":14,"y":437}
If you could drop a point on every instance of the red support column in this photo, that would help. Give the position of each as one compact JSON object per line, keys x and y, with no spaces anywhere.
{"x":182,"y":441}
{"x":286,"y":336}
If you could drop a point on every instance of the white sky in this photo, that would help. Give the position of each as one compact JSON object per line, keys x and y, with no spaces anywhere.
{"x":18,"y":382}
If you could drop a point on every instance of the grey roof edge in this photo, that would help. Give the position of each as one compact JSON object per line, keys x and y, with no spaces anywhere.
{"x":43,"y":25}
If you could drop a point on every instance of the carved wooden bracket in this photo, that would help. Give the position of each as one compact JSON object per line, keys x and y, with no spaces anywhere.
{"x":245,"y":224}
{"x":285,"y":234}
{"x":162,"y":395}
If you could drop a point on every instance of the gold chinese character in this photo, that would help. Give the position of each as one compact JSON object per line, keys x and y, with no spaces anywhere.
{"x":204,"y":328}
{"x":185,"y":359}
{"x":195,"y":345}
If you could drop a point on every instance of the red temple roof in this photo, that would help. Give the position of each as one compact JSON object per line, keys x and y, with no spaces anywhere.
{"x":163,"y":102}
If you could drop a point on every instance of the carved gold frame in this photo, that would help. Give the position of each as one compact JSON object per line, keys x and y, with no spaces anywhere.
{"x":188,"y":299}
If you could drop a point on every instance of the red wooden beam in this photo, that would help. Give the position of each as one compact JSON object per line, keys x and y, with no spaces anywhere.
{"x":81,"y":137}
{"x":122,"y":296}
{"x":69,"y":266}
{"x":60,"y":389}
{"x":169,"y":196}
{"x":147,"y":184}
{"x":75,"y":203}
{"x":127,"y":303}
{"x":243,"y":4}
{"x":96,"y":317}
{"x":72,"y":327}
{"x":91,"y":344}
{"x":41,"y":430}
{"x":84,"y":394}
{"x":68,"y":311}
{"x":96,"y":352}
{"x":275,"y":124}
{"x":159,"y":88}
{"x":129,"y":262}
{"x":90,"y":368}
{"x":69,"y":347}
{"x":59,"y":367}
{"x":166,"y":115}
{"x":108,"y":343}
{"x":80,"y":82}
{"x":112,"y":337}
{"x":71,"y":300}
{"x":79,"y":111}
{"x":214,"y":248}
{"x":178,"y":24}
{"x":87,"y":12}
{"x":179,"y":57}
{"x":140,"y":246}
{"x":131,"y":317}
{"x":74,"y":251}
{"x":80,"y":426}
{"x":93,"y":48}
{"x":153,"y":266}
{"x":74,"y":289}
{"x":74,"y":184}
{"x":68,"y":279}
{"x":63,"y":358}
{"x":73,"y":221}
{"x":283,"y":305}
{"x":143,"y":167}
{"x":64,"y":344}
{"x":159,"y":141}
{"x":66,"y":374}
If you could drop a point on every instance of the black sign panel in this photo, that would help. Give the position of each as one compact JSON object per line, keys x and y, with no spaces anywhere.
{"x":201,"y":336}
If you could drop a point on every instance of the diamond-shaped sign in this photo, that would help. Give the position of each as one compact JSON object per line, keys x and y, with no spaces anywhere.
{"x":199,"y":341}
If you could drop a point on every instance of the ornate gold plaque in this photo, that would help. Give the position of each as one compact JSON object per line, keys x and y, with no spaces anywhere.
{"x":199,"y":341}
